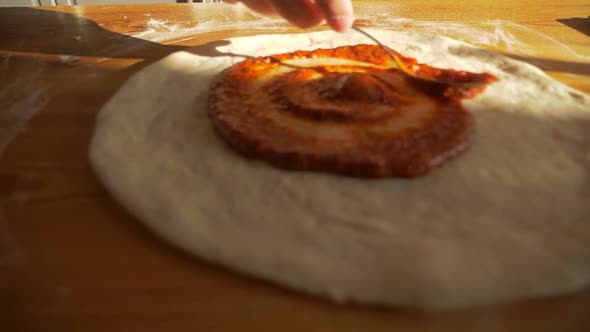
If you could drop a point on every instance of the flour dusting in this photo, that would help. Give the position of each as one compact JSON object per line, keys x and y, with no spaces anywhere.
{"x":503,"y":34}
{"x":156,"y":27}
{"x":548,"y":41}
{"x":19,"y":101}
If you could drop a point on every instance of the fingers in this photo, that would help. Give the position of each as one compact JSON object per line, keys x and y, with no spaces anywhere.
{"x":306,"y":13}
{"x":302,"y":13}
{"x":338,"y":13}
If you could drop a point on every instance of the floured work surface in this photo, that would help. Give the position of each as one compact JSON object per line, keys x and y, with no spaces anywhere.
{"x":508,"y":220}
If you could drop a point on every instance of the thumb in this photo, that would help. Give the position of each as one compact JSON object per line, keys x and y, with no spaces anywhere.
{"x":338,"y":13}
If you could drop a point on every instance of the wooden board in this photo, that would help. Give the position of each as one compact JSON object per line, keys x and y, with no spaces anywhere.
{"x":71,"y":259}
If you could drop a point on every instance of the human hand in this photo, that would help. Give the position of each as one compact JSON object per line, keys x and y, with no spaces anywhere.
{"x":306,"y":13}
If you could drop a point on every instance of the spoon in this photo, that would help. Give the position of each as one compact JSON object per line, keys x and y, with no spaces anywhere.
{"x":407,"y":71}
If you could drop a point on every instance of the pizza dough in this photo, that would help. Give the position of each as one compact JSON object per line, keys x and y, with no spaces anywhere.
{"x":508,"y":220}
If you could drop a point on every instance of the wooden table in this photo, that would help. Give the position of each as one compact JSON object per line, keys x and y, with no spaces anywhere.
{"x":71,"y":259}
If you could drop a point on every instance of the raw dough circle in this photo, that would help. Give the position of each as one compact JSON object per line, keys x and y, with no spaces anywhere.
{"x":508,"y":220}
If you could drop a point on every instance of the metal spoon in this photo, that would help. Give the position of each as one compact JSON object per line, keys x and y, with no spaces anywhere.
{"x":404,"y":69}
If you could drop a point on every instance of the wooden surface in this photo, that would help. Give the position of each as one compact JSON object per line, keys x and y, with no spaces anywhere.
{"x":71,"y":259}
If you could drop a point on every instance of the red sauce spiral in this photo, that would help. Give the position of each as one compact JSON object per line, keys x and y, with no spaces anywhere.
{"x":361,"y":118}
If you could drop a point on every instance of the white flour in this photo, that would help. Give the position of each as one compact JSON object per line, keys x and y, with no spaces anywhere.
{"x":155,"y":27}
{"x":503,"y":34}
{"x":19,"y":101}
